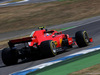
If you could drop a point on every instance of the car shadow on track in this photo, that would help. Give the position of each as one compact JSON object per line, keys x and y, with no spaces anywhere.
{"x":30,"y":59}
{"x":21,"y":61}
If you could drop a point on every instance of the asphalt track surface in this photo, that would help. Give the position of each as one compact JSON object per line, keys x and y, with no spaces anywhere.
{"x":14,"y":34}
{"x":93,"y":30}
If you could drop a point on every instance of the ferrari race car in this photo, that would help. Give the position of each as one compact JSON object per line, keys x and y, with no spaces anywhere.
{"x":42,"y":43}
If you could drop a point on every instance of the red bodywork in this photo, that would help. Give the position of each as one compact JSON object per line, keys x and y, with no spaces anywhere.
{"x":43,"y":35}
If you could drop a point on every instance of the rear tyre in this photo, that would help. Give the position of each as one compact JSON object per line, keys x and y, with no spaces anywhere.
{"x":82,"y":38}
{"x":48,"y":48}
{"x":9,"y":57}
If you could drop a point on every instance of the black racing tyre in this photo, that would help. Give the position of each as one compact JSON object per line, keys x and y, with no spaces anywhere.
{"x":48,"y":48}
{"x":82,"y":38}
{"x":65,"y":43}
{"x":9,"y":57}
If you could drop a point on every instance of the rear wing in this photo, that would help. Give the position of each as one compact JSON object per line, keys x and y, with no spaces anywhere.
{"x":11,"y":43}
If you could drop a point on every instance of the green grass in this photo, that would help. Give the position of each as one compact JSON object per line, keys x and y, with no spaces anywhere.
{"x":68,"y":66}
{"x":70,"y":0}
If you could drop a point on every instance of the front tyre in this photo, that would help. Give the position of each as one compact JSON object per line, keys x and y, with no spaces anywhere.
{"x":48,"y":48}
{"x":9,"y":57}
{"x":82,"y":38}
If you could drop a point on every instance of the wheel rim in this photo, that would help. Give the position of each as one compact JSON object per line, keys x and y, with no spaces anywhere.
{"x":86,"y":37}
{"x":54,"y":48}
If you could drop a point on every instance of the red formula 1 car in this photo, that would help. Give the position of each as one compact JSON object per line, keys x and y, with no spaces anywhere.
{"x":42,"y":43}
